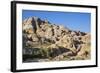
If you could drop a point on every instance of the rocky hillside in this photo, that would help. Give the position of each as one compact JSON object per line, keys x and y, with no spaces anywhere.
{"x":44,"y":41}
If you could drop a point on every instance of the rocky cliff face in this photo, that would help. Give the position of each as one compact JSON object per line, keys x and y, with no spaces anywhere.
{"x":45,"y":41}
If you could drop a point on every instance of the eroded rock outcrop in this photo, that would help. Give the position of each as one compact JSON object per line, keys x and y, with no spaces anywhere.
{"x":54,"y":42}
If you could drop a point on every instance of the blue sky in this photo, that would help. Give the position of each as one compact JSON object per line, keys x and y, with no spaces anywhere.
{"x":73,"y":20}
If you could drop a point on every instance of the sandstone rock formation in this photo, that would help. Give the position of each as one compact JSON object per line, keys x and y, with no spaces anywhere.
{"x":51,"y":42}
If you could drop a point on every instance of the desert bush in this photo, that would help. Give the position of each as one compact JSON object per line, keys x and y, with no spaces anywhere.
{"x":25,"y":57}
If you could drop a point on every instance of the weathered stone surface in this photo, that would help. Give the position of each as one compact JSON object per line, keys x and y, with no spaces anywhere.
{"x":54,"y":41}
